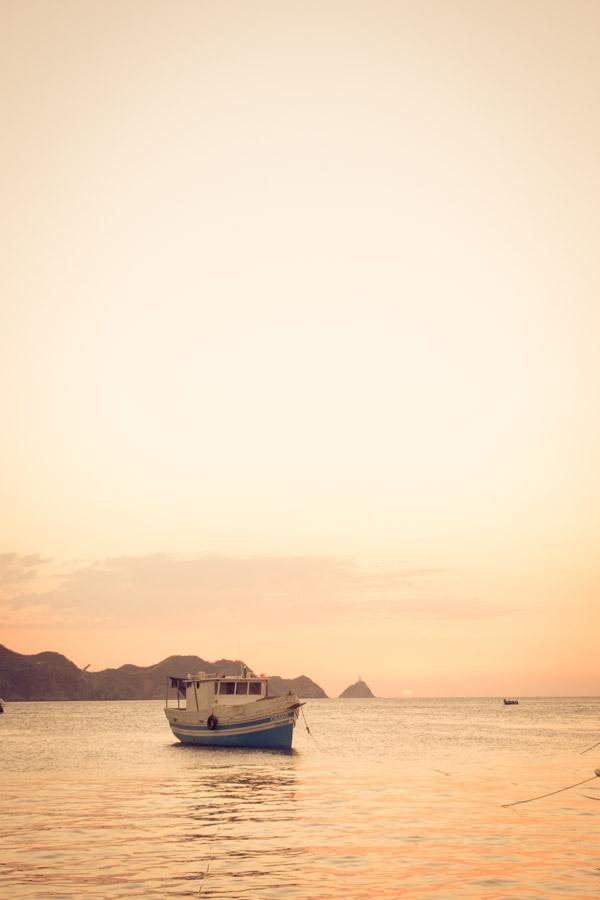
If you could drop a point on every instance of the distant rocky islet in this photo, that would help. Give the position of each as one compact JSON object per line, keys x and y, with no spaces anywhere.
{"x":360,"y":690}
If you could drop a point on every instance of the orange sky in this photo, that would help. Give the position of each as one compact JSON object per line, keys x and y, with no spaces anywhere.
{"x":299,"y":338}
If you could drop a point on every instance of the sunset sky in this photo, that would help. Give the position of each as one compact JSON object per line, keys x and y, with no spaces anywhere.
{"x":299,"y":338}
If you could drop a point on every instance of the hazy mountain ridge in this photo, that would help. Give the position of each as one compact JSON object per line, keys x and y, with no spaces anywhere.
{"x":51,"y":676}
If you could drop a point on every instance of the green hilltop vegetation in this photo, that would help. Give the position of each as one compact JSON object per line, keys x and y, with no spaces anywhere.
{"x":51,"y":676}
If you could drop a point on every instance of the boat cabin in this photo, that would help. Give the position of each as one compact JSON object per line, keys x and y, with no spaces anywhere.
{"x":202,"y":691}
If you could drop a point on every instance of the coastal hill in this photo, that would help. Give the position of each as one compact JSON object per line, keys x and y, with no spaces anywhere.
{"x":51,"y":676}
{"x":359,"y":689}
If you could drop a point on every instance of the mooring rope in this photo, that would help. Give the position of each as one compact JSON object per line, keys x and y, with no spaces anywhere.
{"x":589,"y":748}
{"x":210,"y":859}
{"x":317,"y":745}
{"x":560,"y":790}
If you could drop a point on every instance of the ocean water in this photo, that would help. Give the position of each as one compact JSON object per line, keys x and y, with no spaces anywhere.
{"x":384,"y":798}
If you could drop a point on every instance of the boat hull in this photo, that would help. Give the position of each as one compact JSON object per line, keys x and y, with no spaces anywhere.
{"x":268,"y":732}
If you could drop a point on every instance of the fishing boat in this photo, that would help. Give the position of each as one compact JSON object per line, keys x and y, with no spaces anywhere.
{"x":510,"y":701}
{"x":230,"y":711}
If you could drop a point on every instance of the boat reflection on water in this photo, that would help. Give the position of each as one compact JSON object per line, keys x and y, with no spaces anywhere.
{"x":239,"y":827}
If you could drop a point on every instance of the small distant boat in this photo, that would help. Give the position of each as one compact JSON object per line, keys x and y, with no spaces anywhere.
{"x":510,"y":701}
{"x":230,"y":711}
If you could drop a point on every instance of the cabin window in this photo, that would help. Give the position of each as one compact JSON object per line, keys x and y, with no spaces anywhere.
{"x":227,"y":687}
{"x":254,"y":687}
{"x":241,"y":687}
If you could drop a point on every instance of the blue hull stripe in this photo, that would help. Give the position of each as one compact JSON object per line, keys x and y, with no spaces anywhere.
{"x":279,"y":737}
{"x":252,"y":723}
{"x":240,"y":731}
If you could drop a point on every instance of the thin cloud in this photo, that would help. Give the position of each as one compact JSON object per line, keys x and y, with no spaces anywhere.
{"x":17,"y":572}
{"x":213,"y":590}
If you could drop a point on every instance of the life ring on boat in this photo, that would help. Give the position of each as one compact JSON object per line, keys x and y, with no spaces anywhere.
{"x":212,"y":722}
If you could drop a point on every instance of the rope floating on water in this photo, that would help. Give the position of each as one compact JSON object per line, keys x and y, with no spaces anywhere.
{"x":210,"y":859}
{"x":559,"y":791}
{"x":589,"y":748}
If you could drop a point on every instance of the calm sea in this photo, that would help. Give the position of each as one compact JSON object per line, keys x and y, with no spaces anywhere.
{"x":384,"y":798}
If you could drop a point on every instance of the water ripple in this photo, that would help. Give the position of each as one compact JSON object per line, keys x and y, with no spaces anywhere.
{"x":406,"y":802}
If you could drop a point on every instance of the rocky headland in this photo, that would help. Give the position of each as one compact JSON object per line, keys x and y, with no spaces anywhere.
{"x":51,"y":676}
